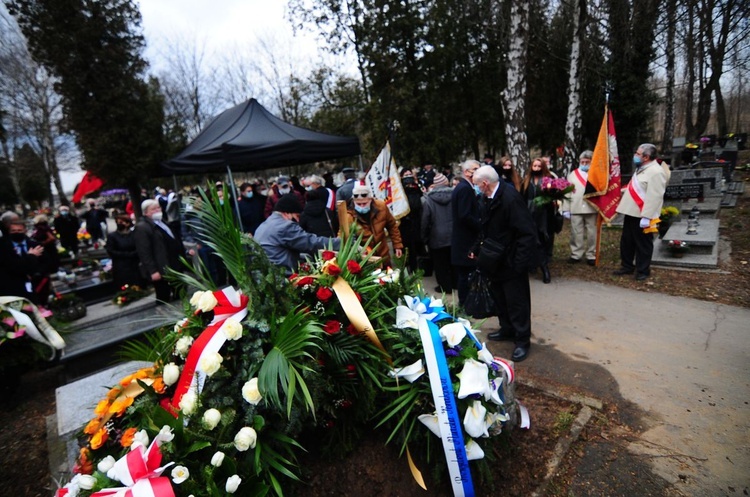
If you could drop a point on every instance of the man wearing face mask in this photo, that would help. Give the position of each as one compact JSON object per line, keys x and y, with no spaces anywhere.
{"x":251,"y":208}
{"x":282,"y":238}
{"x":641,"y":202}
{"x":506,"y":254}
{"x":159,"y":248}
{"x":374,"y":218}
{"x":19,"y":260}
{"x":466,"y":227}
{"x":282,"y":187}
{"x":66,"y":226}
{"x":121,"y":249}
{"x":582,"y":214}
{"x":94,"y":218}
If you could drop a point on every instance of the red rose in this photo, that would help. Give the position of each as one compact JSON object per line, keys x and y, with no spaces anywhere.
{"x":333,"y":270}
{"x":324,"y":294}
{"x":293,"y":277}
{"x":304,"y":267}
{"x":327,"y":255}
{"x":351,"y":370}
{"x":346,"y":404}
{"x":352,"y":330}
{"x":332,"y":327}
{"x":305,"y":280}
{"x":353,"y":267}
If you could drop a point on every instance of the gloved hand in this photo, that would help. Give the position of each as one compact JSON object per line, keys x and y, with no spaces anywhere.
{"x":645,"y":222}
{"x":566,"y":214}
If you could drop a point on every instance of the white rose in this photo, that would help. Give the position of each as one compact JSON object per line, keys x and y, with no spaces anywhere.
{"x":210,"y":363}
{"x":180,"y":474}
{"x":182,"y":347}
{"x":207,"y":302}
{"x":196,"y":298}
{"x":170,"y":374}
{"x":86,"y":482}
{"x":179,"y":324}
{"x":251,"y":393}
{"x":106,"y":464}
{"x":188,"y":402}
{"x":232,"y":329}
{"x":165,"y":434}
{"x":245,"y":439}
{"x":211,"y":418}
{"x":233,"y":482}
{"x":217,"y":459}
{"x":140,"y":437}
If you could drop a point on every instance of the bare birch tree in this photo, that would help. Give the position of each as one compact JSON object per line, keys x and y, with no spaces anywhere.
{"x":514,"y":96}
{"x":573,"y":121}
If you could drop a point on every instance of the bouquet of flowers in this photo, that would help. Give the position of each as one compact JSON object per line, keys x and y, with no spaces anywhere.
{"x":67,"y":307}
{"x":237,"y":381}
{"x":553,"y":189}
{"x":678,"y":248}
{"x":128,"y":294}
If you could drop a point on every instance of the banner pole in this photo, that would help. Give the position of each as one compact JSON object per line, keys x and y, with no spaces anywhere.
{"x":599,"y":223}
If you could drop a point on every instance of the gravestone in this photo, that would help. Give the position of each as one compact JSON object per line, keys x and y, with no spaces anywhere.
{"x":685,"y":186}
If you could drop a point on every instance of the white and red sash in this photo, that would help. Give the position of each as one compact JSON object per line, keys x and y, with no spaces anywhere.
{"x":636,"y":191}
{"x":580,"y":177}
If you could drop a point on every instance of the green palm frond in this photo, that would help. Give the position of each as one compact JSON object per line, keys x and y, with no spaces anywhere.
{"x":152,"y":346}
{"x":293,"y":339}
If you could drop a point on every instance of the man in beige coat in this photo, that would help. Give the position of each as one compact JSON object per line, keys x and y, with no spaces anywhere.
{"x":582,"y":215}
{"x":641,"y":202}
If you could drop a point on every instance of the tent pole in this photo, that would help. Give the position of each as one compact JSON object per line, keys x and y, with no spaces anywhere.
{"x":234,"y":196}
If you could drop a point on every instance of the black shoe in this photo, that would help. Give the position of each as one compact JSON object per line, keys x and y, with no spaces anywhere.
{"x":641,"y":277}
{"x":546,"y":277}
{"x":438,"y":289}
{"x":520,"y":353}
{"x":622,"y":271}
{"x":501,"y":336}
{"x":591,"y":262}
{"x":573,"y":260}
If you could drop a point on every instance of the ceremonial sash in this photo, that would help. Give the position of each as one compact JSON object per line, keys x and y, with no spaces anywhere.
{"x":580,"y":177}
{"x":636,"y":191}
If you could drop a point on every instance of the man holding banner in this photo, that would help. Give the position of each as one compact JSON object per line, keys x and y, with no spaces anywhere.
{"x":641,"y":202}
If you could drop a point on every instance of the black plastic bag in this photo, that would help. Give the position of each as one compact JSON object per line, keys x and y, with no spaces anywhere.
{"x":559,"y":219}
{"x":480,"y":303}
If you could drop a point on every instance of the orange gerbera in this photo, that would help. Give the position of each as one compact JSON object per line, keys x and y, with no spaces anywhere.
{"x":127,"y":437}
{"x":101,"y":408}
{"x":120,"y":404}
{"x":99,"y":438}
{"x":158,"y":385}
{"x":92,"y":426}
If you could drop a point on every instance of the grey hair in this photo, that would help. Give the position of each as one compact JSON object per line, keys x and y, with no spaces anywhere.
{"x":587,"y":154}
{"x":148,"y":203}
{"x":486,"y":173}
{"x":648,"y":149}
{"x":467,"y":164}
{"x":8,"y":217}
{"x":315,"y":179}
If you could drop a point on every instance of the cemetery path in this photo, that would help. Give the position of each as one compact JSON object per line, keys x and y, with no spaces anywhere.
{"x":677,"y":369}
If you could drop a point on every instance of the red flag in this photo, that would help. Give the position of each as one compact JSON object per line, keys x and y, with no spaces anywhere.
{"x":89,"y":184}
{"x":604,"y":181}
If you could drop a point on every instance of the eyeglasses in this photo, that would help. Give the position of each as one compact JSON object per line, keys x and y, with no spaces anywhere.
{"x":361,"y":195}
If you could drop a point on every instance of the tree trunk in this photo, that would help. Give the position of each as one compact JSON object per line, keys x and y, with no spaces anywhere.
{"x":12,"y":173}
{"x":515,"y":91}
{"x":721,"y":112}
{"x":669,"y":98}
{"x":690,"y":55}
{"x":573,"y":121}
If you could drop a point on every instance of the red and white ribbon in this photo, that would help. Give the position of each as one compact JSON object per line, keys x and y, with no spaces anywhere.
{"x":507,"y":367}
{"x":636,"y":191}
{"x":140,"y":471}
{"x":231,"y":304}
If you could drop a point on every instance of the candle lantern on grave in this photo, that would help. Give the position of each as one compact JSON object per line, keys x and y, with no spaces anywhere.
{"x":692,"y":226}
{"x":695,"y":213}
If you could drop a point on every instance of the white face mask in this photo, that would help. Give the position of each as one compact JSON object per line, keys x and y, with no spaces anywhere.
{"x":156,"y":216}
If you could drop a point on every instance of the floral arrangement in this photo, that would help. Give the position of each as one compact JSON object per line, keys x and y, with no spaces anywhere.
{"x":129,"y":294}
{"x":668,"y":213}
{"x":67,"y":307}
{"x":247,"y":371}
{"x":83,"y":235}
{"x":678,"y":248}
{"x":553,"y":189}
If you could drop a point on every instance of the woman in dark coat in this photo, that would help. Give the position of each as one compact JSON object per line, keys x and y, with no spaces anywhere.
{"x":544,"y":216}
{"x":121,"y":249}
{"x":411,"y":224}
{"x":316,"y":218}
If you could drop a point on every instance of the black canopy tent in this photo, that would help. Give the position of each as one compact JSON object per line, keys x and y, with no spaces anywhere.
{"x":249,"y":138}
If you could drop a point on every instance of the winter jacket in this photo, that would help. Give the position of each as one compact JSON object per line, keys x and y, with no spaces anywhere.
{"x":437,"y":218}
{"x":652,"y":179}
{"x":466,"y":227}
{"x":375,"y":224}
{"x":316,"y":218}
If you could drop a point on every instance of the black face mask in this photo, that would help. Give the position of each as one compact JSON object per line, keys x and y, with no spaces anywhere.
{"x":408,"y":181}
{"x":536,"y":173}
{"x":18,"y":237}
{"x":123,"y":227}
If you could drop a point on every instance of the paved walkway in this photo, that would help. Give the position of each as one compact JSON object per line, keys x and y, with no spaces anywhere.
{"x":679,"y":368}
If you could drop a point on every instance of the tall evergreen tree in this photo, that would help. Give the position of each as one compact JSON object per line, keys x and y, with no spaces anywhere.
{"x":94,"y":48}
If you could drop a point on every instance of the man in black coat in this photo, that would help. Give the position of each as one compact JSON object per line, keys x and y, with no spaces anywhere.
{"x":251,"y":207}
{"x":510,"y":251}
{"x":158,"y":248}
{"x":66,"y":226}
{"x":466,"y":228}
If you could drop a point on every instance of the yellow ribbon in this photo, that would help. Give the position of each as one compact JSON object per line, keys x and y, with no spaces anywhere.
{"x":356,"y":313}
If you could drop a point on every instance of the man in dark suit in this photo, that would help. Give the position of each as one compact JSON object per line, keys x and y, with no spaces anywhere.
{"x":510,"y":246}
{"x":159,"y":248}
{"x":345,"y":191}
{"x":19,"y":260}
{"x":466,"y":227}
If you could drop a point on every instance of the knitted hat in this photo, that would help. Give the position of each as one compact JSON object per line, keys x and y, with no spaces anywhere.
{"x":289,"y":204}
{"x":359,"y":189}
{"x":440,"y":180}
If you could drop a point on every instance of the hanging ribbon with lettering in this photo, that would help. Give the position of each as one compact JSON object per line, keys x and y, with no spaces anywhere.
{"x":230,"y":304}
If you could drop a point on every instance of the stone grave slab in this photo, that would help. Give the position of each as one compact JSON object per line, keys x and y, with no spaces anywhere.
{"x":708,"y":233}
{"x":709,"y":178}
{"x":709,"y":260}
{"x":710,"y":206}
{"x":75,"y":403}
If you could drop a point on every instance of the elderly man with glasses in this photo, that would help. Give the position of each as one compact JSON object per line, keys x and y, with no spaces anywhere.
{"x":373,"y":218}
{"x":466,"y":227}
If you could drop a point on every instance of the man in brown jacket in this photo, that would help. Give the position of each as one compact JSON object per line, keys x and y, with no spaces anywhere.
{"x":373,"y":218}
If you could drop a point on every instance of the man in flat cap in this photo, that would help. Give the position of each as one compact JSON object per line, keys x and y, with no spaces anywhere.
{"x":282,"y":238}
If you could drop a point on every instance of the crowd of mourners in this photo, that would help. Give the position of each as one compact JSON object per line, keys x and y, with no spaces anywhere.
{"x":481,"y":216}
